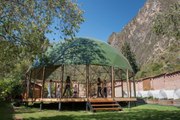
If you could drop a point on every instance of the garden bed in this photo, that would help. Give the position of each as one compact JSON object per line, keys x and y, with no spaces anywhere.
{"x":163,"y":102}
{"x":176,"y":103}
{"x":152,"y":101}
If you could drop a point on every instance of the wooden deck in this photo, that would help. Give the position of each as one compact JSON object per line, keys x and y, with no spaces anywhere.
{"x":66,"y":100}
{"x":52,"y":100}
{"x":125,"y":99}
{"x":92,"y":104}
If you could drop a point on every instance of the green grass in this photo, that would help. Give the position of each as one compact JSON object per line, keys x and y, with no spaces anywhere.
{"x":142,"y":112}
{"x":156,"y":107}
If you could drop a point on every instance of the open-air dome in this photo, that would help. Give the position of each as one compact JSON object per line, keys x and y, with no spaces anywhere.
{"x":76,"y":54}
{"x":84,"y":61}
{"x":85,"y":51}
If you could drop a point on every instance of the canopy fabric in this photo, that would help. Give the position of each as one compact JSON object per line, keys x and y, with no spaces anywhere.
{"x":84,"y":51}
{"x":160,"y":94}
{"x":166,"y":94}
{"x":154,"y":93}
{"x":142,"y":94}
{"x":177,"y":94}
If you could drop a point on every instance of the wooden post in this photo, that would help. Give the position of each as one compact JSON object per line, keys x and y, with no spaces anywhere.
{"x":122,"y":88}
{"x":41,"y":104}
{"x":30,"y":90}
{"x":59,"y":106}
{"x":112,"y":83}
{"x":55,"y":89}
{"x":42,"y":90}
{"x":130,"y":89}
{"x":127,"y":79}
{"x":33,"y":93}
{"x":34,"y":88}
{"x":62,"y":79}
{"x":122,"y":84}
{"x":78,"y":89}
{"x":87,"y":81}
{"x":27,"y":86}
{"x":134,"y":86}
{"x":43,"y":82}
{"x":120,"y":72}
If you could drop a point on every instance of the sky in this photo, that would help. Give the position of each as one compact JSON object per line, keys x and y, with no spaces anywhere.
{"x":102,"y":17}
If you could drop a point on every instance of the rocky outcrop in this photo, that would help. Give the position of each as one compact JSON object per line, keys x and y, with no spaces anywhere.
{"x":146,"y":45}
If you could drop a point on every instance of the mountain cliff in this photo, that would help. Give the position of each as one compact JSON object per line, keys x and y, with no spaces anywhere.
{"x":154,"y":53}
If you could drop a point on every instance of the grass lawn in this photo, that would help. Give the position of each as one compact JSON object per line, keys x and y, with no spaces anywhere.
{"x":142,"y":112}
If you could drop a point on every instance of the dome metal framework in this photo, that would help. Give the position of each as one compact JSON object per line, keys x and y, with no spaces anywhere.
{"x":85,"y":60}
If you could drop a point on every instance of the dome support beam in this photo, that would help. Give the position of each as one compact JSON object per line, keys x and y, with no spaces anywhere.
{"x":87,"y":81}
{"x":127,"y":80}
{"x":62,"y":79}
{"x":112,"y":82}
{"x":43,"y":82}
{"x":134,"y":86}
{"x":122,"y":83}
{"x":28,"y":83}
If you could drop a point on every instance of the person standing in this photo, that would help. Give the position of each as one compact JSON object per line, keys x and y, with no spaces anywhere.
{"x":58,"y":92}
{"x":105,"y":89}
{"x":50,"y":89}
{"x":75,"y":91}
{"x":99,"y":84}
{"x":67,"y":88}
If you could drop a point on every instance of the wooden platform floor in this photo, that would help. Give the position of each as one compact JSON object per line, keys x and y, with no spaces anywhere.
{"x":65,"y":100}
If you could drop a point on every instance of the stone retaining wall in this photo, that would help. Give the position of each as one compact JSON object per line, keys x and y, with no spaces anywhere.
{"x":163,"y":102}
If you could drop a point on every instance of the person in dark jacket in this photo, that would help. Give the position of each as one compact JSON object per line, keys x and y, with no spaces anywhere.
{"x":68,"y":87}
{"x":99,"y":84}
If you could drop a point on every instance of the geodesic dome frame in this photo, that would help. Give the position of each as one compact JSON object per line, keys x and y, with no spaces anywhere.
{"x":82,"y":53}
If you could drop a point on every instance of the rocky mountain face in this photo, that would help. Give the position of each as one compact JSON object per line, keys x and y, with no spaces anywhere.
{"x":146,"y":45}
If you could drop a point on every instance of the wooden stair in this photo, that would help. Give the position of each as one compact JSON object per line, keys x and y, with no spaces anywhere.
{"x":103,"y":104}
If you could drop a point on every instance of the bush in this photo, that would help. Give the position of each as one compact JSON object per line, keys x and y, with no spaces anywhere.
{"x":10,"y":89}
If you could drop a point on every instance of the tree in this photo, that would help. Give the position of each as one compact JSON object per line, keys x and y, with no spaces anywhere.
{"x":24,"y":25}
{"x":26,"y":21}
{"x":126,"y":51}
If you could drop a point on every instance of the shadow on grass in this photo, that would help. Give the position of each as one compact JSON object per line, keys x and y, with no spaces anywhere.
{"x":23,"y":109}
{"x":6,"y":111}
{"x":131,"y":114}
{"x":71,"y":106}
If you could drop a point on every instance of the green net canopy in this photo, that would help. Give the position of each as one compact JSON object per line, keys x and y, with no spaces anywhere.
{"x":83,"y":51}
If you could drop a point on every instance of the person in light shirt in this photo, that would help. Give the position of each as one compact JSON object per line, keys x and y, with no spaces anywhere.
{"x":58,"y":92}
{"x":50,"y":89}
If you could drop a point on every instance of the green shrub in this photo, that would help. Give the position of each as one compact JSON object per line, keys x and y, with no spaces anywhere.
{"x":10,"y":89}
